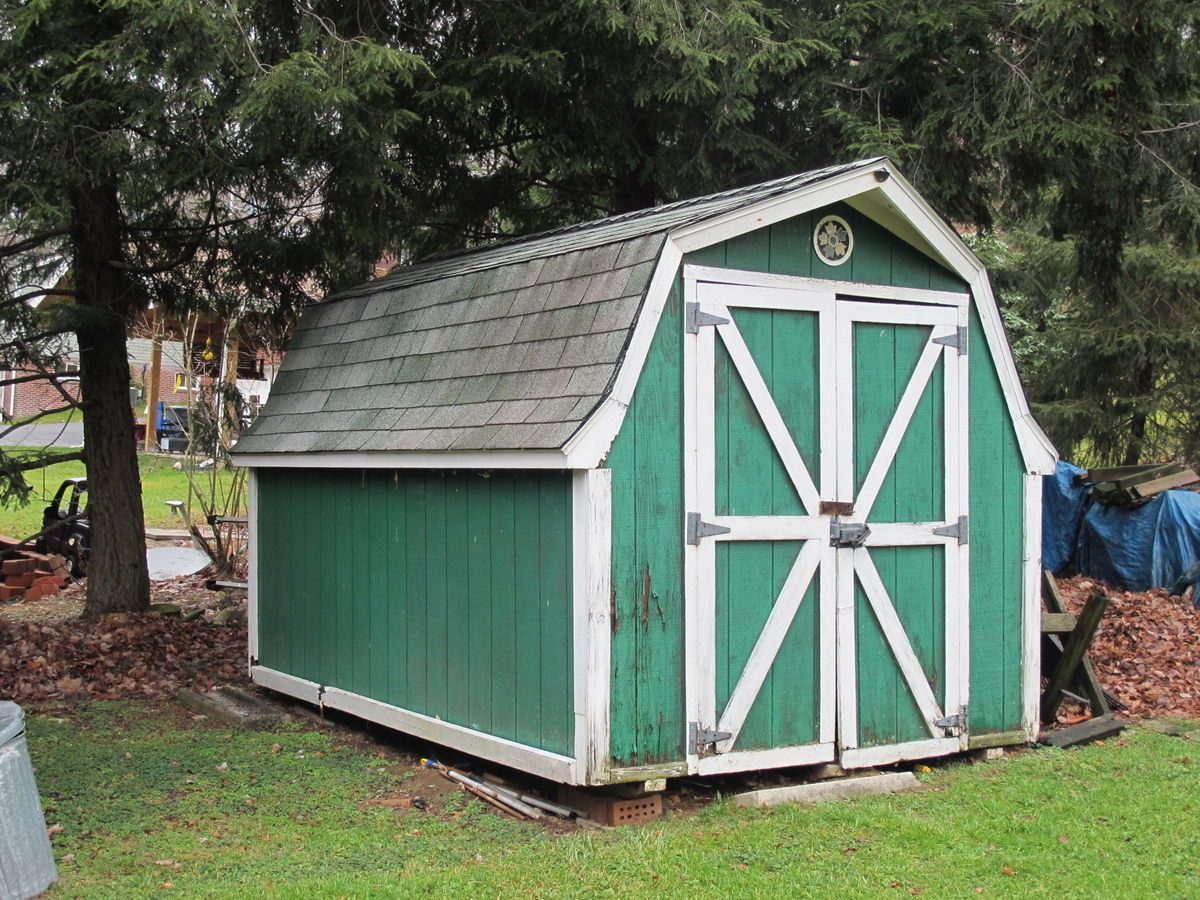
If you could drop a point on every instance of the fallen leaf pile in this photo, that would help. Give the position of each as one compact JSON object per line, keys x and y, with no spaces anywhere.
{"x":115,"y":657}
{"x":1147,"y":650}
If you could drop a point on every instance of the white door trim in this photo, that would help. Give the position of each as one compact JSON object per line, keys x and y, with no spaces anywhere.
{"x":838,"y":669}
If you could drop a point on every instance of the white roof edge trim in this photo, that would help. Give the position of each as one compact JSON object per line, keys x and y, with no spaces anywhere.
{"x":592,"y":442}
{"x":406,"y":459}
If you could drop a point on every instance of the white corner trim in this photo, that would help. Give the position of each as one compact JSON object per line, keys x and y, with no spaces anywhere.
{"x":498,"y":750}
{"x":407,"y":459}
{"x":591,"y":564}
{"x":1031,"y":607}
{"x":252,"y":567}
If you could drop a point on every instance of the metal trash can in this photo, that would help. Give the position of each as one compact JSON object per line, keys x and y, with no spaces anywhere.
{"x":26,"y":860}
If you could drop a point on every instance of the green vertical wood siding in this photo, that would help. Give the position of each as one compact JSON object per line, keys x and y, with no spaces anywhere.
{"x":648,"y":722}
{"x":997,"y":530}
{"x":647,"y":716}
{"x":751,"y":480}
{"x":447,"y":594}
{"x":885,"y":357}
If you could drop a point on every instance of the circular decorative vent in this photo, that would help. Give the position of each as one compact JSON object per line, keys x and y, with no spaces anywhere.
{"x":833,"y":240}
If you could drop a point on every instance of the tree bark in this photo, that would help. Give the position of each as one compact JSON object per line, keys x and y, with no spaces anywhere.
{"x":117,"y":577}
{"x":1143,"y":386}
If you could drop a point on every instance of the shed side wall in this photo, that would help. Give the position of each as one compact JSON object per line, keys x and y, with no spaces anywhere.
{"x":447,"y":594}
{"x":648,"y":719}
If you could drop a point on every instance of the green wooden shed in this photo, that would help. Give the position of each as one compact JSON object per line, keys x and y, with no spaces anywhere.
{"x":741,"y":482}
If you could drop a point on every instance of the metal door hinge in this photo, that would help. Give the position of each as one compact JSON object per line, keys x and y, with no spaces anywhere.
{"x":960,"y":531}
{"x":954,"y":724}
{"x":697,"y":318}
{"x":848,"y":534}
{"x":958,"y":340}
{"x":700,"y":737}
{"x":697,"y":528}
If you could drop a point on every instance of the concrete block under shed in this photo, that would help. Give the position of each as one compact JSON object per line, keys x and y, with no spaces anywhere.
{"x":841,"y":789}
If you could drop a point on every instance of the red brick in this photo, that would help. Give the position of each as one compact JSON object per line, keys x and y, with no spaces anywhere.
{"x":17,"y":566}
{"x":43,"y":587}
{"x":24,"y":580}
{"x":10,"y":593}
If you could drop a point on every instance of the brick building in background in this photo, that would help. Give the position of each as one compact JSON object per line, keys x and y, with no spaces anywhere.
{"x":255,"y":371}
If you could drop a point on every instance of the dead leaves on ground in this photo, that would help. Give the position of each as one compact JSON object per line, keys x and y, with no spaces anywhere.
{"x":115,"y":657}
{"x":1147,"y":651}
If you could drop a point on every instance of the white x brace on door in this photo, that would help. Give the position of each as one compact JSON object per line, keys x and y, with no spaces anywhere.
{"x":867,"y":703}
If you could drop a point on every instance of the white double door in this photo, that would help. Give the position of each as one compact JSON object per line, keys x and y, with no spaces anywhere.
{"x":826,"y":532}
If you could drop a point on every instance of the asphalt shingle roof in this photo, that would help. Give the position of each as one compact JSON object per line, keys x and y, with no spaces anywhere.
{"x":507,"y":347}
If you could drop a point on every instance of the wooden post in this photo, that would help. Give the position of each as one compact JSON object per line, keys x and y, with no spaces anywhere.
{"x":151,"y":441}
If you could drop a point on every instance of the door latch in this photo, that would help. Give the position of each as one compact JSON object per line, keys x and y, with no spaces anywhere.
{"x":700,"y":737}
{"x":848,"y":534}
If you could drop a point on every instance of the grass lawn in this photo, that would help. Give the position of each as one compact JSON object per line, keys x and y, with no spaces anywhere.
{"x":63,"y":415}
{"x":160,"y":483}
{"x":149,"y":800}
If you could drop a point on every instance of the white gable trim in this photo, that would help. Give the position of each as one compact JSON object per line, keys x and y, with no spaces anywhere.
{"x":591,"y":444}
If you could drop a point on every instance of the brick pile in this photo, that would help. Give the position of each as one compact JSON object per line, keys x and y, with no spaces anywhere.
{"x":25,"y":575}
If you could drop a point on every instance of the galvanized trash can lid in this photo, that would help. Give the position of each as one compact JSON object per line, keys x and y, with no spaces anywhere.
{"x":12,"y":721}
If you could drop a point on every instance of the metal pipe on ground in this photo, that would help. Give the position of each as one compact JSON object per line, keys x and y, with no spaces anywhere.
{"x":563,"y":812}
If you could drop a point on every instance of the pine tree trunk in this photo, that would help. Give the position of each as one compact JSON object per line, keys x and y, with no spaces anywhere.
{"x":1143,"y":386}
{"x":117,"y":578}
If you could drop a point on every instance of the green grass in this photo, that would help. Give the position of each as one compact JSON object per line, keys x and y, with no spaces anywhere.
{"x":55,"y":418}
{"x":160,"y":483}
{"x":132,"y":787}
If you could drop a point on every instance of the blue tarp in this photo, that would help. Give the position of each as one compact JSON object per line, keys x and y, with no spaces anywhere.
{"x":1156,"y":544}
{"x":1063,"y":505}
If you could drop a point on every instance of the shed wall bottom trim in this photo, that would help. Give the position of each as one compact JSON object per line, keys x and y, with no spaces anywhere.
{"x":880,"y":756}
{"x":499,"y":750}
{"x":776,"y":758}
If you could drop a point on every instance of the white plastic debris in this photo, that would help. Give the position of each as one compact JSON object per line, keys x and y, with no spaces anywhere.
{"x":171,"y":562}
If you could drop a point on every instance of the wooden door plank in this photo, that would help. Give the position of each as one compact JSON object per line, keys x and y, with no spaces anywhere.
{"x":897,"y":638}
{"x":762,"y":657}
{"x":764,"y":404}
{"x":886,"y":454}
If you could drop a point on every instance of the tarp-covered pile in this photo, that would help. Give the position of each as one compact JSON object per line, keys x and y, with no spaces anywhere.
{"x":1154,"y":544}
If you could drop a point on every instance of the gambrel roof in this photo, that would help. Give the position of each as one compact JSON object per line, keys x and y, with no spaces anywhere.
{"x":507,"y":347}
{"x":525,"y":353}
